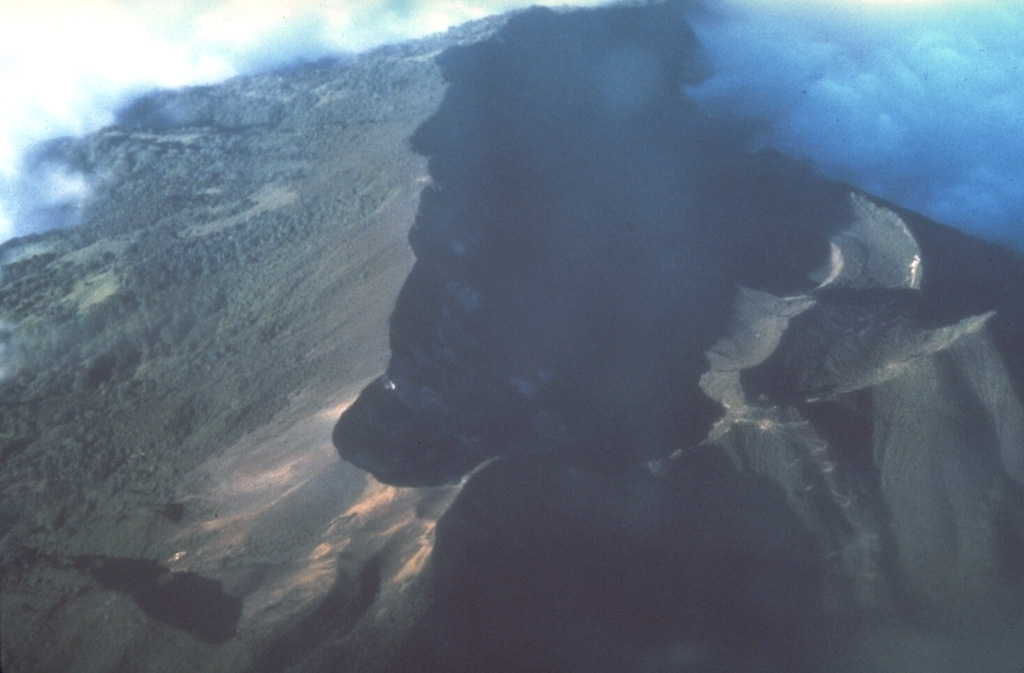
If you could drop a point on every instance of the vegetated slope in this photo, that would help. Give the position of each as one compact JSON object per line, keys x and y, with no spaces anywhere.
{"x":236,"y":261}
{"x":214,"y":274}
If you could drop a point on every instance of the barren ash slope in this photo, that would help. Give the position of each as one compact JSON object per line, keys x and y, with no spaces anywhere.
{"x":716,"y":412}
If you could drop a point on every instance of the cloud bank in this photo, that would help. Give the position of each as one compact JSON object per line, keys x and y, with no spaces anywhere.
{"x":916,"y":101}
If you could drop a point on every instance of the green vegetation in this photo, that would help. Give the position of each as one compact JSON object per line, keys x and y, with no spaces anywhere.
{"x":223,"y":264}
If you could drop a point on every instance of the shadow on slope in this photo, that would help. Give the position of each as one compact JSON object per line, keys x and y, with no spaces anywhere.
{"x":591,"y":246}
{"x":543,"y":567}
{"x":578,"y":251}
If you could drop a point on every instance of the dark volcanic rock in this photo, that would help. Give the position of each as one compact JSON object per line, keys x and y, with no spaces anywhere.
{"x":537,"y":563}
{"x":577,"y":253}
{"x":746,"y":418}
{"x":186,"y":601}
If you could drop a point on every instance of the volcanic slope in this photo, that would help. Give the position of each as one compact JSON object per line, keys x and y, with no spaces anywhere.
{"x":725,"y":414}
{"x":651,"y":403}
{"x":173,"y":365}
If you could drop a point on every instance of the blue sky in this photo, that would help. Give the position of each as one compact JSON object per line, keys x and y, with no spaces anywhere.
{"x":918,"y":101}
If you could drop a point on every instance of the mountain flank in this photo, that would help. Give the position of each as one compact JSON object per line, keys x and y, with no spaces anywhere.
{"x":498,"y":352}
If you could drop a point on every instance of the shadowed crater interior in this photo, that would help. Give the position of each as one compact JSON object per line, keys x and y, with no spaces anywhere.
{"x":578,"y":250}
{"x":742,"y":415}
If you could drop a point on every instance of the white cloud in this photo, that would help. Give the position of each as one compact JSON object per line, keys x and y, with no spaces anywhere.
{"x":920,"y":103}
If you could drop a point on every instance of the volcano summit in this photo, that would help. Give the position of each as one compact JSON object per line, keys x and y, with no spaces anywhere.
{"x":752,"y":410}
